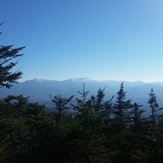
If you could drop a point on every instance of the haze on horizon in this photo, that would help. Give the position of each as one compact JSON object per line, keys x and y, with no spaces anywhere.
{"x":102,"y":40}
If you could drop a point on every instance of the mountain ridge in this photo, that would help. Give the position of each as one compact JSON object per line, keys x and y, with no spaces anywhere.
{"x":39,"y":89}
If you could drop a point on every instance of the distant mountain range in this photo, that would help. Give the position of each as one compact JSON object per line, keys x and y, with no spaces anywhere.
{"x":38,"y":90}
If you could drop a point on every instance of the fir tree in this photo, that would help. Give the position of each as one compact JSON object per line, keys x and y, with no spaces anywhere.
{"x":120,"y":126}
{"x":122,"y":108}
{"x":154,"y":106}
{"x":60,"y":105}
{"x":9,"y":58}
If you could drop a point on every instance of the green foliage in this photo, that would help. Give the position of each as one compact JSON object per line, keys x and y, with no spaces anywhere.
{"x":61,"y":106}
{"x":94,"y":132}
{"x":7,"y":63}
{"x":122,"y":108}
{"x":16,"y":111}
{"x":154,"y":106}
{"x":89,"y":142}
{"x":9,"y":58}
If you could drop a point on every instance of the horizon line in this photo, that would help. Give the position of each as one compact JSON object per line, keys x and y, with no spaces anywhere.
{"x":87,"y":79}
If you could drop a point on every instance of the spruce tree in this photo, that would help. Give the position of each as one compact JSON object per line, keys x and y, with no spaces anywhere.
{"x":89,"y":141}
{"x":155,"y":137}
{"x":122,"y":108}
{"x":138,"y":135}
{"x":122,"y":111}
{"x":60,"y":105}
{"x":154,"y":106}
{"x":9,"y":58}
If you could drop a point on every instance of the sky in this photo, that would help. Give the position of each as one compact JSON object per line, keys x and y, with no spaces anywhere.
{"x":97,"y":39}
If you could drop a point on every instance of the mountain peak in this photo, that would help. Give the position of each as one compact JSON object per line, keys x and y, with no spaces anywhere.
{"x":81,"y":79}
{"x":41,"y":80}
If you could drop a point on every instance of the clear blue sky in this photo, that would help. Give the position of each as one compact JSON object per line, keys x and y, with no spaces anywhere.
{"x":98,"y":39}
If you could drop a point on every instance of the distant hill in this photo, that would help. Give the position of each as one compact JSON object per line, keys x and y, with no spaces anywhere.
{"x":38,"y":90}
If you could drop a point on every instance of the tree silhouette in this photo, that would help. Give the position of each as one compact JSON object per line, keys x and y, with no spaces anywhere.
{"x":9,"y":58}
{"x":154,"y":106}
{"x":60,"y":105}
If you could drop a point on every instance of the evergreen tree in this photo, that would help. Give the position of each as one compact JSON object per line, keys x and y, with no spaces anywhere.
{"x":88,"y":144}
{"x":154,"y":106}
{"x":17,"y":113}
{"x":60,"y":105}
{"x":155,"y":137}
{"x":9,"y":58}
{"x":138,"y":135}
{"x":102,"y":108}
{"x":119,"y":128}
{"x":137,"y":119}
{"x":122,"y":108}
{"x":98,"y":100}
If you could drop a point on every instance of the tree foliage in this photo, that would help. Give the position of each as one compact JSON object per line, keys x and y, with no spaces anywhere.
{"x":93,"y":133}
{"x":9,"y":58}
